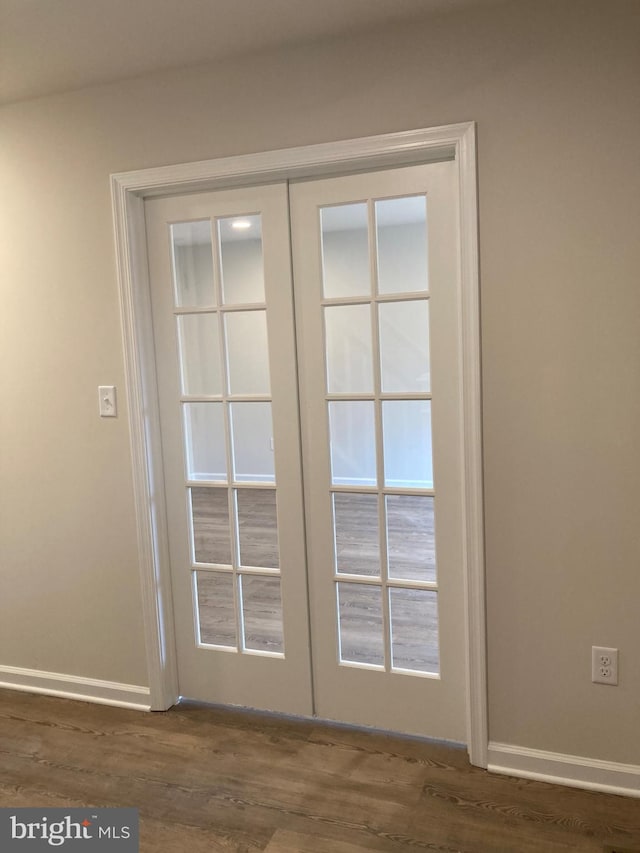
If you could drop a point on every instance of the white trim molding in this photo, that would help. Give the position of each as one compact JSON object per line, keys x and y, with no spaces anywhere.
{"x":575,"y":771}
{"x":75,"y":687}
{"x":129,"y":189}
{"x":391,"y":149}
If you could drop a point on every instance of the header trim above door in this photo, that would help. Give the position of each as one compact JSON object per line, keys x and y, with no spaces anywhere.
{"x":370,"y":152}
{"x":129,"y":189}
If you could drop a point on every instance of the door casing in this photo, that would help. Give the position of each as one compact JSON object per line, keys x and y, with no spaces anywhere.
{"x":129,"y":189}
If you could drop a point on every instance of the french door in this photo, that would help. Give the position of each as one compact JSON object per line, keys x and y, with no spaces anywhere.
{"x":307,"y":345}
{"x":225,"y":352}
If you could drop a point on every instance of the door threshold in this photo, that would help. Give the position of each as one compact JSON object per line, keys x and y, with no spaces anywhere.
{"x":260,"y":713}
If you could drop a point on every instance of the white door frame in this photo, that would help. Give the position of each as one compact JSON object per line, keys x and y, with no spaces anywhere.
{"x":129,"y":189}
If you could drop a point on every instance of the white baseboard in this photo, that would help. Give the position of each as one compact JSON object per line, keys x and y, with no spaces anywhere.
{"x":591,"y":773}
{"x":75,"y":687}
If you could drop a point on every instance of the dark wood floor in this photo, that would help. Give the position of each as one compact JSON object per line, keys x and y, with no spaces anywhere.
{"x":220,"y":781}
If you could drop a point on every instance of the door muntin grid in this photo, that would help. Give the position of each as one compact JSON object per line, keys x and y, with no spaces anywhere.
{"x":221,"y":327}
{"x":375,"y":308}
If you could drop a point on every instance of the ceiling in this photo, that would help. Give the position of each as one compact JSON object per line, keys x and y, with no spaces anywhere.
{"x":51,"y":46}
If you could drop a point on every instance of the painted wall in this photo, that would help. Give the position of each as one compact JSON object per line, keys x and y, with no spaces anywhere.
{"x":555,"y":89}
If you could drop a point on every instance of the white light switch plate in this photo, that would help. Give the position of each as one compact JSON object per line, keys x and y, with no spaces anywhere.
{"x":107,"y":401}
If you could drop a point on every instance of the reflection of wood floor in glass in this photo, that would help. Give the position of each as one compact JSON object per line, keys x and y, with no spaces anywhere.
{"x":411,"y":556}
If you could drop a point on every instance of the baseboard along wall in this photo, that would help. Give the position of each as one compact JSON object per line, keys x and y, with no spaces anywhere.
{"x":574,"y":771}
{"x":95,"y":690}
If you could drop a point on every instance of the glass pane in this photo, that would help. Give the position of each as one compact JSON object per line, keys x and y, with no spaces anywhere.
{"x":406,"y":427}
{"x":345,"y":250}
{"x":348,"y":345}
{"x":353,"y":443}
{"x":216,"y":609}
{"x":192,"y":263}
{"x":401,"y":230}
{"x":210,"y":524}
{"x":360,"y":614}
{"x":355,"y":519}
{"x":404,"y":346}
{"x":205,"y":452}
{"x":411,"y":543}
{"x":199,"y":354}
{"x":262,"y":614}
{"x":242,"y":270}
{"x":258,"y":528}
{"x":247,"y":352}
{"x":252,"y":442}
{"x":414,"y":629}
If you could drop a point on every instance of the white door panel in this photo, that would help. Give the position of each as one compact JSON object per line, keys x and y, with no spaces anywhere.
{"x":377,"y":288}
{"x":376,"y":337}
{"x":225,"y":352}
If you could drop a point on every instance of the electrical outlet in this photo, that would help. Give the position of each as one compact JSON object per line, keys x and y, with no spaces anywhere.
{"x":604,"y":665}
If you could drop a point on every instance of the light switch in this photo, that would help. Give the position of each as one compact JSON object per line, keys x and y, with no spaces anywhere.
{"x":107,"y":401}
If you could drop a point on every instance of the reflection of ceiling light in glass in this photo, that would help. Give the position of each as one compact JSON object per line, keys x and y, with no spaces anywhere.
{"x":241,"y":224}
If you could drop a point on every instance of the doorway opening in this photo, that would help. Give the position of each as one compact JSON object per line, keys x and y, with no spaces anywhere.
{"x":455,"y":144}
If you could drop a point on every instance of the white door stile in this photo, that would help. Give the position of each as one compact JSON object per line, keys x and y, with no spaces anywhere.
{"x":128,"y":190}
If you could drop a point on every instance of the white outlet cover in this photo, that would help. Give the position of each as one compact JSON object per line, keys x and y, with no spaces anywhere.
{"x":604,"y":665}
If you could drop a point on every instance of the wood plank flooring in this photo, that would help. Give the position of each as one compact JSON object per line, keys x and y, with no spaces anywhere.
{"x":225,"y":781}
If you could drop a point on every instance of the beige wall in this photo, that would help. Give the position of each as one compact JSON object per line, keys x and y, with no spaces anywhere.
{"x":554,"y":87}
